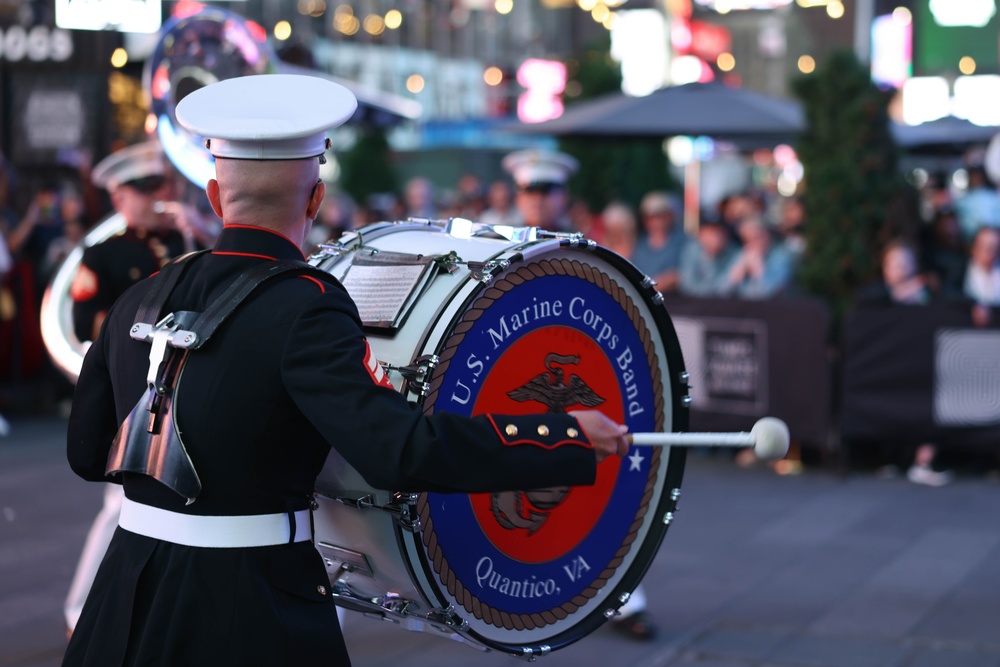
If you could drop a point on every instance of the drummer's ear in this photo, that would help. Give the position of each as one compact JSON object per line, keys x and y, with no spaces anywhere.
{"x":315,"y":199}
{"x":214,"y":198}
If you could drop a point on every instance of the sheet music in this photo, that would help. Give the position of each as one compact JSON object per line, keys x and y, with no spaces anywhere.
{"x":381,"y":291}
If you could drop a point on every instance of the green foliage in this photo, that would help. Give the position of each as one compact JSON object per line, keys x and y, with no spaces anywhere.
{"x":367,"y":169}
{"x":611,"y":168}
{"x":852,"y":181}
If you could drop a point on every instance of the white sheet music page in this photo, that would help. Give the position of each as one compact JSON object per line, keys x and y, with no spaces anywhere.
{"x":381,"y":291}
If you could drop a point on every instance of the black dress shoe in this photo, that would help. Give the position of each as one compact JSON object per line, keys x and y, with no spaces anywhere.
{"x":635,"y":626}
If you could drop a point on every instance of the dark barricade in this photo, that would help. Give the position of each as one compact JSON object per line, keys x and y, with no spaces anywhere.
{"x":750,"y":359}
{"x":916,"y":374}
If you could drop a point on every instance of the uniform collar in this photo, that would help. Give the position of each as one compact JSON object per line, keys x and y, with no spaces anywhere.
{"x":256,"y":241}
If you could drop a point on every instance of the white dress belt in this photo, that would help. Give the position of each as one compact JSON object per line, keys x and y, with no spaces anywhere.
{"x":256,"y":530}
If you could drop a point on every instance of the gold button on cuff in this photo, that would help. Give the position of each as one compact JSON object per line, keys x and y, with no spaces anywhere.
{"x":572,"y":432}
{"x":543,"y":430}
{"x":511,"y":430}
{"x":321,"y":590}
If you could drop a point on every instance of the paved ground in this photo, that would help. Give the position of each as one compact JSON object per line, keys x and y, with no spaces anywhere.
{"x":758,"y":570}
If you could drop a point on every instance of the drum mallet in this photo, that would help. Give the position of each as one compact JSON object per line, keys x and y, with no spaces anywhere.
{"x":768,"y":437}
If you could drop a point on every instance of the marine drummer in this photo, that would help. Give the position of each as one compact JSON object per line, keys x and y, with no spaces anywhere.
{"x":229,"y":576}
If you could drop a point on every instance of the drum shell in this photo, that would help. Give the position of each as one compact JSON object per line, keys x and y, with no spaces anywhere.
{"x":428,"y":331}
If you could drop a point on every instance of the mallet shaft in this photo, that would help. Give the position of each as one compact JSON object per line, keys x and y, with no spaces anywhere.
{"x":741,"y":439}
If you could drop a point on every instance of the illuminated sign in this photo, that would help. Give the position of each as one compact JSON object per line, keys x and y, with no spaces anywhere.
{"x":37,"y":43}
{"x":543,"y":81}
{"x":975,"y":13}
{"x":733,"y":5}
{"x":639,"y":43}
{"x":975,"y":99}
{"x":946,"y":32}
{"x":925,"y":98}
{"x":892,"y":51}
{"x":120,"y":15}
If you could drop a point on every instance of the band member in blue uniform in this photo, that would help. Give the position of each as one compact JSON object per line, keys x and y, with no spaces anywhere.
{"x":219,"y":446}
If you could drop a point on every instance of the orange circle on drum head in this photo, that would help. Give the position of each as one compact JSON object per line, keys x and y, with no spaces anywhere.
{"x":546,"y":371}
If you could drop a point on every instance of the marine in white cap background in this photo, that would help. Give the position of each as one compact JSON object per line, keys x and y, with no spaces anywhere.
{"x":541,"y":178}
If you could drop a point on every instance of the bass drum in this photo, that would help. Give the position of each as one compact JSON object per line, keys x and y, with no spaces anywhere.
{"x":508,"y":321}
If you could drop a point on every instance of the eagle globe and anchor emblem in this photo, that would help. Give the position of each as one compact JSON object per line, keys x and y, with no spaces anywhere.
{"x":552,"y":336}
{"x":529,"y":510}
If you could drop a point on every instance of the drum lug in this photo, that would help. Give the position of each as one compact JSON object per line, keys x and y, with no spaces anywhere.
{"x":417,"y":374}
{"x":402,"y":506}
{"x":448,"y":616}
{"x":485,"y":271}
{"x":361,"y":502}
{"x":576,"y":240}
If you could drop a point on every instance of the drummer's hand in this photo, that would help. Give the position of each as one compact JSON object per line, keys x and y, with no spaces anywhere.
{"x":605,"y":435}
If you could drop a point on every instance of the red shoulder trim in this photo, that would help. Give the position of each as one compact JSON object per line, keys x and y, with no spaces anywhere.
{"x":321,"y":286}
{"x":243,"y":254}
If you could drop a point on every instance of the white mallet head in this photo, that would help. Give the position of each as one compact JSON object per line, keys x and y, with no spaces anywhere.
{"x":770,"y":438}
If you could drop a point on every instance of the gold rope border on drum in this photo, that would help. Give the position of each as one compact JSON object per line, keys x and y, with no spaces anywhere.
{"x":472,"y":604}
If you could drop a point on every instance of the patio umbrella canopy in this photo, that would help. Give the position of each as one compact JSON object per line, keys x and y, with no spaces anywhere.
{"x":944,"y":135}
{"x":695,"y":109}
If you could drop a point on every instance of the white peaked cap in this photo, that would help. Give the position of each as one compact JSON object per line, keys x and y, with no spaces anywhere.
{"x":129,"y":164}
{"x":267,"y":116}
{"x":535,"y":166}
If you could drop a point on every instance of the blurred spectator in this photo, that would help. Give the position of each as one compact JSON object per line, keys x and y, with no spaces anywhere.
{"x":982,"y":277}
{"x":621,"y":230}
{"x":501,"y":209}
{"x":418,"y":198}
{"x":791,"y":226}
{"x":470,"y":200}
{"x":586,"y":221}
{"x":658,"y":252}
{"x":980,"y":205}
{"x":733,"y":210}
{"x":945,"y":255}
{"x":706,"y":261}
{"x":762,"y":268}
{"x":8,"y":216}
{"x":41,"y":225}
{"x":902,"y":283}
{"x":5,"y":303}
{"x":541,"y":177}
{"x":336,"y":216}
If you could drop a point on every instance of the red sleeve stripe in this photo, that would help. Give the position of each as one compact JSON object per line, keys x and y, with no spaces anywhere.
{"x":375,"y":369}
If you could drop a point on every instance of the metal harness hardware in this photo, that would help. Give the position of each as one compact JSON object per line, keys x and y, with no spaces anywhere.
{"x":149,"y":441}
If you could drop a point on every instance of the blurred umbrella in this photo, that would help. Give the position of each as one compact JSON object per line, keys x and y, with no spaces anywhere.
{"x":948,"y":135}
{"x":694,"y":109}
{"x":743,"y":117}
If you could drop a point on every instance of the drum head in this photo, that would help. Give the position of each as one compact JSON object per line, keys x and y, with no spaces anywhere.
{"x":562,"y":328}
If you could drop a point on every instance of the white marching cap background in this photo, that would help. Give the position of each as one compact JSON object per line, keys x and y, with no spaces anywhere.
{"x":535,"y":166}
{"x":267,"y":116}
{"x":129,"y":164}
